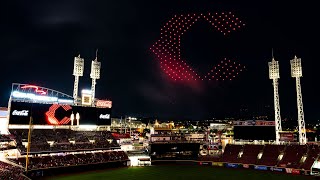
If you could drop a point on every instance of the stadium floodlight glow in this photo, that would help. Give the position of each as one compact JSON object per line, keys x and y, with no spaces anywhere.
{"x":67,"y":101}
{"x":296,"y":72}
{"x":88,"y":126}
{"x":77,"y":72}
{"x":275,"y":75}
{"x":18,"y":94}
{"x":86,"y":91}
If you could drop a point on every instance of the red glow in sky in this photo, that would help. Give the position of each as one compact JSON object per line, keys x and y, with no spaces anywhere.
{"x":168,"y":48}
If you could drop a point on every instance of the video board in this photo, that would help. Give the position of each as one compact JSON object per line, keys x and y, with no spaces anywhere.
{"x":254,"y":130}
{"x":254,"y":133}
{"x":57,"y":114}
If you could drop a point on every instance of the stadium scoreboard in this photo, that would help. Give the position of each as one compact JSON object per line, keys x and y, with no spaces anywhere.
{"x":57,"y":114}
{"x":254,"y":130}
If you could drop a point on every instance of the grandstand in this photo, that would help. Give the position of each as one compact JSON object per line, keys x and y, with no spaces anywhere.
{"x":48,"y":132}
{"x":270,"y":155}
{"x":53,"y":134}
{"x":291,"y":158}
{"x":11,"y":172}
{"x":63,"y":140}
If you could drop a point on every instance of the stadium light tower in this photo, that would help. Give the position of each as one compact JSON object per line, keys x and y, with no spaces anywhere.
{"x":275,"y":75}
{"x":77,"y":72}
{"x":95,"y":74}
{"x":296,"y":72}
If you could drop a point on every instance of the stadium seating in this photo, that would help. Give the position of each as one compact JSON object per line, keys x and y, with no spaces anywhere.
{"x":292,"y":156}
{"x":231,"y":153}
{"x":63,"y":140}
{"x":312,"y":155}
{"x":250,"y":154}
{"x":270,"y":155}
{"x":38,"y":162}
{"x":10,"y":172}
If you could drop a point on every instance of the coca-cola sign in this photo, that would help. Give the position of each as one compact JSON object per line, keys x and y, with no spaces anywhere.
{"x":104,"y":116}
{"x":20,"y":113}
{"x":104,"y":104}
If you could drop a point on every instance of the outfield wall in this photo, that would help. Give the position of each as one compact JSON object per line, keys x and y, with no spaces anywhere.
{"x":234,"y":165}
{"x":56,"y":171}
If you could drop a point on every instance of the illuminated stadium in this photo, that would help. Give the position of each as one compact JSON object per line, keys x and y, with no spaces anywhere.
{"x":43,"y":128}
{"x":48,"y":134}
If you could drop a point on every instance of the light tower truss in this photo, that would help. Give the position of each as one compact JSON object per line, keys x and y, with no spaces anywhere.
{"x":77,"y":72}
{"x":275,"y":75}
{"x":296,"y":72}
{"x":95,"y":74}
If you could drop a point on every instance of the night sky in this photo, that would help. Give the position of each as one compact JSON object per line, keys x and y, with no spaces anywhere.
{"x":40,"y":39}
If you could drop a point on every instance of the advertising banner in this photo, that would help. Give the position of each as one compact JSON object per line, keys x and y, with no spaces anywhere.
{"x":217,"y":164}
{"x":245,"y":165}
{"x":276,"y":169}
{"x":289,"y":170}
{"x":230,"y":165}
{"x":264,"y":168}
{"x":104,"y":104}
{"x":205,"y":163}
{"x":287,"y":136}
{"x":305,"y":172}
{"x":295,"y":171}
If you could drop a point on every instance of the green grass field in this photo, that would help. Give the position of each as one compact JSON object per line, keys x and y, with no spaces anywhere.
{"x":179,"y":173}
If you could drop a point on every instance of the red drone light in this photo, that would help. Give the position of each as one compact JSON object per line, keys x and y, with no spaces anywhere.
{"x":51,"y":118}
{"x":36,"y":89}
{"x":168,"y":52}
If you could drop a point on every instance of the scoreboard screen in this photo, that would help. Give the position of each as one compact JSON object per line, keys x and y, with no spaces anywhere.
{"x":254,"y":133}
{"x":254,"y":130}
{"x":57,"y":114}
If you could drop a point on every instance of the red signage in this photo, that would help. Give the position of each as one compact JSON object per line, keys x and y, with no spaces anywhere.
{"x":265,"y":123}
{"x":104,"y":104}
{"x":36,"y":89}
{"x":287,"y":136}
{"x":295,"y":171}
{"x":245,"y":165}
{"x":51,"y":118}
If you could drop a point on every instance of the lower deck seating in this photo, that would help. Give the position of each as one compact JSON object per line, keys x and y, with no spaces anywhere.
{"x":250,"y":154}
{"x":292,"y":156}
{"x":312,"y":155}
{"x":231,"y":153}
{"x":270,"y":155}
{"x":38,"y":162}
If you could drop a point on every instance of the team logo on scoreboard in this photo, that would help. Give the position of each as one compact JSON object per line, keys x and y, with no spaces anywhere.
{"x":51,"y":118}
{"x":104,"y":116}
{"x":20,"y":113}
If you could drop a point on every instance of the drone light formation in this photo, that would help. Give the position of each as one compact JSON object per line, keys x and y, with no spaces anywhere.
{"x":225,"y":70}
{"x":167,"y":49}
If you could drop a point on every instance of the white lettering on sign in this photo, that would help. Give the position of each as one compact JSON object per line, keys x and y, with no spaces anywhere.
{"x":20,"y":113}
{"x":104,"y":116}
